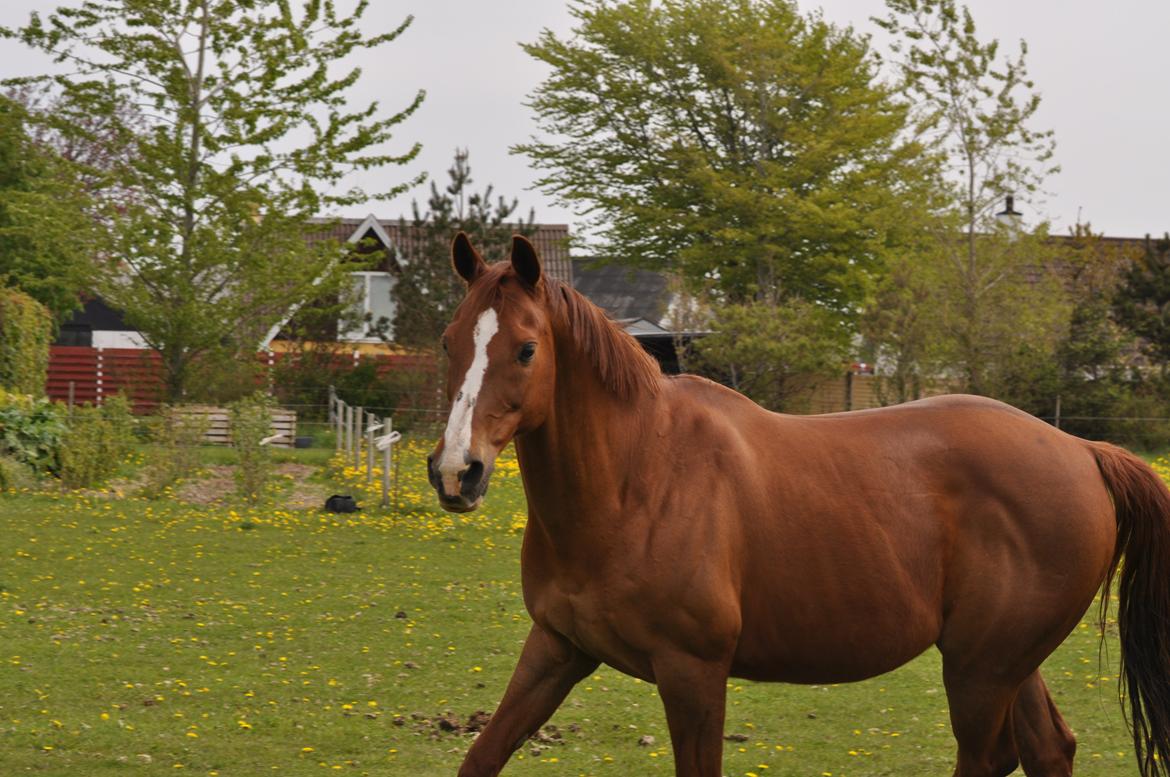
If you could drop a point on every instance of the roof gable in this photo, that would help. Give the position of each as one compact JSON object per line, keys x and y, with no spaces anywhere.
{"x":401,"y":238}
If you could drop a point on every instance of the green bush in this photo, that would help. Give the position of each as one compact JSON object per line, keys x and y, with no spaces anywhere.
{"x":1146,"y":432}
{"x":176,"y":438}
{"x":14,"y":474}
{"x":220,"y":377}
{"x":26,"y":330}
{"x":411,"y":390}
{"x":251,"y":423}
{"x":97,"y":442}
{"x":31,"y":431}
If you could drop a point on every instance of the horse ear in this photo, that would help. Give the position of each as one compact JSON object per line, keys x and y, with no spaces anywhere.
{"x":525,"y":261}
{"x":469,"y":265}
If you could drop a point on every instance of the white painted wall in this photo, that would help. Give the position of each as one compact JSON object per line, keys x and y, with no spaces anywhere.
{"x":107,"y":338}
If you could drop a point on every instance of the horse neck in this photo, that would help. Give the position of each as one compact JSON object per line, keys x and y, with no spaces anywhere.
{"x":575,"y":464}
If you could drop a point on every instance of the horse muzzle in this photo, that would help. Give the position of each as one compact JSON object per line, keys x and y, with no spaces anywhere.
{"x":461,"y":491}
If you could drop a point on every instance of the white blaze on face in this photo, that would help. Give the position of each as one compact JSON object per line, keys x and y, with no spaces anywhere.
{"x":457,"y":437}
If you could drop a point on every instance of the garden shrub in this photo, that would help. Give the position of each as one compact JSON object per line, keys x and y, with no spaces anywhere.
{"x":26,"y":330}
{"x":219,"y":377}
{"x":98,"y":439}
{"x":1150,"y":431}
{"x":14,"y":474}
{"x":176,"y":438}
{"x":251,"y":423}
{"x":417,"y":398}
{"x":31,"y":431}
{"x":410,"y":390}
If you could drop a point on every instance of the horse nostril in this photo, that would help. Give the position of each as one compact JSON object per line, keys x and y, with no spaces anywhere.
{"x":470,"y":479}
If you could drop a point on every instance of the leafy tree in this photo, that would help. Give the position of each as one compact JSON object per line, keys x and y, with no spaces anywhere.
{"x":246,"y":133}
{"x":1143,"y":300}
{"x":975,"y":109}
{"x":44,"y":233}
{"x":775,"y":353}
{"x":899,"y":329}
{"x":92,"y":148}
{"x":738,"y":143}
{"x":428,"y":292}
{"x":997,"y":326}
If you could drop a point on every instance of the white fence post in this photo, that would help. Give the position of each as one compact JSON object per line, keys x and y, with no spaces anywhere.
{"x":357,"y":437}
{"x":372,"y":426}
{"x":385,"y":444}
{"x":100,"y":376}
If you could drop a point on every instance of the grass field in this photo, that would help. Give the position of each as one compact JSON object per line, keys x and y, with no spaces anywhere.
{"x":151,"y":638}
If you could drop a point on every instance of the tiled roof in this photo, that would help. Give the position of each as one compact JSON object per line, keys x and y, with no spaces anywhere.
{"x":551,"y":241}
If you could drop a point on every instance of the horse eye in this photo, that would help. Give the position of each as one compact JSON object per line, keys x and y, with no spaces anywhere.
{"x":527,"y":351}
{"x":444,"y":342}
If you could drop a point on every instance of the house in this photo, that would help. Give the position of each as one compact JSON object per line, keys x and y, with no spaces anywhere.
{"x":98,"y":325}
{"x":395,"y":241}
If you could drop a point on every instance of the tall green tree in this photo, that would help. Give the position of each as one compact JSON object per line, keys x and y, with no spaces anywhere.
{"x":45,"y":234}
{"x":247,"y":131}
{"x":976,"y":109}
{"x":900,"y":332}
{"x":427,"y":292}
{"x":741,"y":144}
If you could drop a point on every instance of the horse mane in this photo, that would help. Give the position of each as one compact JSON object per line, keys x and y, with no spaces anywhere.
{"x":624,"y":367}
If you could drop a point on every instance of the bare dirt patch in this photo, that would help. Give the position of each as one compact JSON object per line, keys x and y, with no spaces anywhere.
{"x":304,"y":493}
{"x":216,"y":485}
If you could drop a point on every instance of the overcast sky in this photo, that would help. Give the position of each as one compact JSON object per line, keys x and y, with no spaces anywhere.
{"x":1101,"y":68}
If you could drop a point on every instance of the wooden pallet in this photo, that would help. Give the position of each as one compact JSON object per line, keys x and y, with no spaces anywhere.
{"x":217,"y":423}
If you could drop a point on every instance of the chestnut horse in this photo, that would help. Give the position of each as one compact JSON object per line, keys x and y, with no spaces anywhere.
{"x":681,"y":534}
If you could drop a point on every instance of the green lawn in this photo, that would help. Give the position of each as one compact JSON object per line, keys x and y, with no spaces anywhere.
{"x":151,"y":638}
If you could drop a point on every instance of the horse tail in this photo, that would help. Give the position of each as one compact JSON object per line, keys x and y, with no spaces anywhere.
{"x":1142,"y":503}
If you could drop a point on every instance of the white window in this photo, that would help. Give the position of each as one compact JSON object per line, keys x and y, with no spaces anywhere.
{"x":374,"y":307}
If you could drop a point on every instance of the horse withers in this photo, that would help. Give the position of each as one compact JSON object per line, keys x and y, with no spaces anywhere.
{"x":681,"y":534}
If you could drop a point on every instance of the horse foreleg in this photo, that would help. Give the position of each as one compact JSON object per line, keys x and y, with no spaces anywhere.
{"x":548,"y":669}
{"x":1045,"y":743}
{"x":694,"y":694}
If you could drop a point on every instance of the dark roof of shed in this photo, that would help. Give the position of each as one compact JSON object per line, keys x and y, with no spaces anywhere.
{"x":99,"y":317}
{"x":623,"y":292}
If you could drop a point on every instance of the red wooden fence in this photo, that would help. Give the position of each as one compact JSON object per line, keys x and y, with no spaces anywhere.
{"x":90,"y":375}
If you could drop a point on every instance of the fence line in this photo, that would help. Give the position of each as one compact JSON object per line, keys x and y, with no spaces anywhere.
{"x":89,"y":374}
{"x":349,"y":435}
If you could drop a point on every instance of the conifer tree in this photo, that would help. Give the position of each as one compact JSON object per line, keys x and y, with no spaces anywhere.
{"x":427,"y":291}
{"x":1142,"y":303}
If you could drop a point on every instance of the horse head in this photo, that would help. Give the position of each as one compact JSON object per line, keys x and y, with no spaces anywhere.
{"x":500,"y":369}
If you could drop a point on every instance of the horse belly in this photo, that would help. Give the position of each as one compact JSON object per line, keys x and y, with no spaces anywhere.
{"x":826,"y":615}
{"x":829,"y":651}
